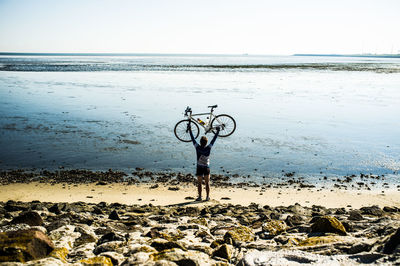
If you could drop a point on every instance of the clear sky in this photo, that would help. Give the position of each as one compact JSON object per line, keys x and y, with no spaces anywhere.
{"x":200,"y":26}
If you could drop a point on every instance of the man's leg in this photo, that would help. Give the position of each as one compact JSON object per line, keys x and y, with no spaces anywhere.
{"x":199,"y":180}
{"x":207,"y":181}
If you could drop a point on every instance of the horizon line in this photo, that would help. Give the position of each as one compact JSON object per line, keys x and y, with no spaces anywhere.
{"x":131,"y":54}
{"x":194,"y":54}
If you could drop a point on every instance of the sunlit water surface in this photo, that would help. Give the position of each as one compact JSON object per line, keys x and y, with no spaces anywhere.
{"x":316,"y":122}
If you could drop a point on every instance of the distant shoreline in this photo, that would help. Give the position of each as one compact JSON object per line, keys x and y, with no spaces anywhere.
{"x":196,"y":55}
{"x":353,"y":55}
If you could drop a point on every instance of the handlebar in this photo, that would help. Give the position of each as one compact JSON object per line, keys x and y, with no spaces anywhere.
{"x":188,"y":110}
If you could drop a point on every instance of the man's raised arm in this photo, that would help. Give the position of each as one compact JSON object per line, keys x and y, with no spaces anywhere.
{"x":215,"y":137}
{"x":191,"y":134}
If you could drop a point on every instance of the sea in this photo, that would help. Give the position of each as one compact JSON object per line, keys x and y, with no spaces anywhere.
{"x":314,"y":116}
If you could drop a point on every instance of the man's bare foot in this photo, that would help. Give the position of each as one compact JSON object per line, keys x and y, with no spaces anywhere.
{"x":199,"y":199}
{"x":208,"y":198}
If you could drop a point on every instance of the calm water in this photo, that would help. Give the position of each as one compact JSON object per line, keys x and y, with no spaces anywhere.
{"x":312,"y":115}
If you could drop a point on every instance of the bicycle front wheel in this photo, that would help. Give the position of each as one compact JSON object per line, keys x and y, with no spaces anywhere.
{"x":226,"y":123}
{"x":182,"y":133}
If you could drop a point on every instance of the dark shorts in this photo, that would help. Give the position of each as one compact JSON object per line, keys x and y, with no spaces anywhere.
{"x":202,"y":170}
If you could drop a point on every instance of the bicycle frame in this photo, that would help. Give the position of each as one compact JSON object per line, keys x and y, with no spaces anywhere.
{"x":207,"y":125}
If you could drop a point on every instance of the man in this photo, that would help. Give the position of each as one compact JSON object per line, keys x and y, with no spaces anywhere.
{"x":203,"y":161}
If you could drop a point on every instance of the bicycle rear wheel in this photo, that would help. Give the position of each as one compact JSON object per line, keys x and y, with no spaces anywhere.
{"x":226,"y":123}
{"x":182,"y":133}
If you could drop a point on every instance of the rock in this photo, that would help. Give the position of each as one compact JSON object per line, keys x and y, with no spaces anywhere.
{"x":291,"y":257}
{"x":55,"y":209}
{"x":328,"y":224}
{"x":359,"y":247}
{"x":200,"y":221}
{"x":136,"y":248}
{"x":139,"y":258}
{"x":82,"y":252}
{"x":390,"y":209}
{"x":274,"y":227}
{"x":297,"y":209}
{"x":87,"y":235}
{"x":355,"y":215}
{"x":117,"y":246}
{"x":115,"y":257}
{"x":97,"y":210}
{"x":239,"y":234}
{"x":114,"y":215}
{"x":60,"y":253}
{"x":372,"y":210}
{"x":320,"y":240}
{"x":181,"y":257}
{"x":100,"y":260}
{"x":217,"y":243}
{"x":340,"y":211}
{"x":161,"y":244}
{"x":64,"y":236}
{"x":293,"y":220}
{"x":58,"y":223}
{"x":30,"y":217}
{"x":348,"y":226}
{"x":393,"y":242}
{"x":24,"y":245}
{"x":12,"y":206}
{"x":110,"y":237}
{"x":223,"y":251}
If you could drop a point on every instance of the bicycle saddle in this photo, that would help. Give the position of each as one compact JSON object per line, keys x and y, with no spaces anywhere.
{"x":213,"y":106}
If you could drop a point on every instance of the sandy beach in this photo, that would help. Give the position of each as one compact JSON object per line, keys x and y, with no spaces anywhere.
{"x":164,"y":195}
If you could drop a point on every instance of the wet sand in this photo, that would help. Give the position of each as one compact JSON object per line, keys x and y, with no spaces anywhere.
{"x":162,"y":195}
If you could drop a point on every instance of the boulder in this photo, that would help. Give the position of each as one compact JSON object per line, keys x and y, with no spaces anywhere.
{"x":64,"y":236}
{"x":12,"y":206}
{"x":60,"y":253}
{"x":114,"y":215}
{"x":355,"y":215}
{"x":82,"y":252}
{"x":87,"y":235}
{"x":110,"y":237}
{"x":55,"y":209}
{"x":115,"y":257}
{"x":320,"y":240}
{"x":116,"y":246}
{"x":24,"y":245}
{"x":223,"y":251}
{"x":293,"y":220}
{"x":392,"y":243}
{"x":390,"y":209}
{"x":100,"y":260}
{"x":58,"y":223}
{"x":274,"y":227}
{"x":372,"y":210}
{"x":328,"y":224}
{"x":30,"y":218}
{"x":359,"y":247}
{"x":161,"y":244}
{"x":239,"y":234}
{"x":138,"y":258}
{"x":291,"y":257}
{"x":181,"y":257}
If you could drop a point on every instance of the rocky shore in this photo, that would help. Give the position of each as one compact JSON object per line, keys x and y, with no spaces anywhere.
{"x":44,"y":233}
{"x":90,"y":231}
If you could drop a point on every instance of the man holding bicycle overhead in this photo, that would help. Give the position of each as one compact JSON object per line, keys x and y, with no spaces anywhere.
{"x":203,"y":161}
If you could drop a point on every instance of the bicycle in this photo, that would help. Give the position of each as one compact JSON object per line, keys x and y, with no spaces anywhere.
{"x":226,"y":123}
